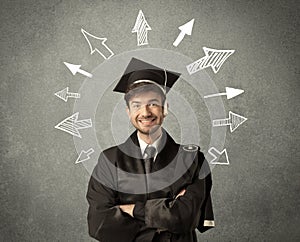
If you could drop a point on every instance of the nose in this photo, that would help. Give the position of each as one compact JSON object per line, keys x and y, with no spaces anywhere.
{"x":145,"y":110}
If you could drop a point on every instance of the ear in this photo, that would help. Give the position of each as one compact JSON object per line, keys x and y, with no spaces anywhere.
{"x":128,"y":111}
{"x":166,"y":106}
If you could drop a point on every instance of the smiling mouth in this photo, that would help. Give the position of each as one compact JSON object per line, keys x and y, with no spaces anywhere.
{"x":147,"y":121}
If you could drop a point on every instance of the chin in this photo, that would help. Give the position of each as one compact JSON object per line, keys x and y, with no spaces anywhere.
{"x":149,"y":130}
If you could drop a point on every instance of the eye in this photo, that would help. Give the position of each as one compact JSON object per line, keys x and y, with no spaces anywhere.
{"x":135,"y":106}
{"x":154,"y":104}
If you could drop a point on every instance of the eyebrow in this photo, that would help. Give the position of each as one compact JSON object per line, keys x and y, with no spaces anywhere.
{"x":151,"y":100}
{"x":135,"y":102}
{"x":154,"y":99}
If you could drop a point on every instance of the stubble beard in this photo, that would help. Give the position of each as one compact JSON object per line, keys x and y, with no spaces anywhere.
{"x":150,"y":132}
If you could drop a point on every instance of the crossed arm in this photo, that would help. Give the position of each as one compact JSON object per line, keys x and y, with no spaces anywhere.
{"x":110,"y":221}
{"x":180,"y":215}
{"x":128,"y":208}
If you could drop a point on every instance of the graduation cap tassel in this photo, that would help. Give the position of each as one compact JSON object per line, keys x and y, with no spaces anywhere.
{"x":166,"y":103}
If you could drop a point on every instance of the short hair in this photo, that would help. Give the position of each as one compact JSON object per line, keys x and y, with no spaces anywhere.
{"x":140,"y":87}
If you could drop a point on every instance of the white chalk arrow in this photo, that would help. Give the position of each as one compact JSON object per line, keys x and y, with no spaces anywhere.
{"x":102,"y":49}
{"x":215,"y":154}
{"x":76,"y":68}
{"x":84,"y":155}
{"x":72,"y":126}
{"x":213,"y":58}
{"x":233,"y":121}
{"x":64,"y":94}
{"x":230,"y":93}
{"x":184,"y":29}
{"x":141,"y":27}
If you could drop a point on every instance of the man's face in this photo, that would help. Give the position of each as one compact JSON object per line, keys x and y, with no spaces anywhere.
{"x":145,"y":112}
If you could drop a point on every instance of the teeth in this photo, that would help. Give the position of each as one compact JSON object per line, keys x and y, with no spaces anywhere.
{"x":146,"y":121}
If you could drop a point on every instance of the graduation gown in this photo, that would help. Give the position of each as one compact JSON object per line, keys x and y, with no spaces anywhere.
{"x":114,"y":182}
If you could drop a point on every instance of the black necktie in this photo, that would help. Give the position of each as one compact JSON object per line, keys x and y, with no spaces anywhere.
{"x":149,"y":158}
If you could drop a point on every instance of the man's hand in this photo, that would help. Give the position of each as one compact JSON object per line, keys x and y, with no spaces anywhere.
{"x":127,"y":208}
{"x":182,"y":192}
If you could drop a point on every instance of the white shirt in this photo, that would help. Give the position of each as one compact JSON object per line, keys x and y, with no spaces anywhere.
{"x":155,"y":144}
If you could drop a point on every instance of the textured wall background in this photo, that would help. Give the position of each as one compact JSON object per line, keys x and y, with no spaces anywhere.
{"x":256,"y":198}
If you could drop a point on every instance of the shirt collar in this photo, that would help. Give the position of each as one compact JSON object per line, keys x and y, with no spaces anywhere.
{"x":155,"y":144}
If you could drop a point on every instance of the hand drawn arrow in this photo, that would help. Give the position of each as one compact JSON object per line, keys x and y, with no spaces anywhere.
{"x":105,"y":52}
{"x":84,"y":155}
{"x":215,"y":153}
{"x":233,"y":121}
{"x":185,"y":29}
{"x":230,"y":93}
{"x":213,"y":58}
{"x":76,"y":68}
{"x":141,"y":27}
{"x":64,"y":94}
{"x":72,"y":126}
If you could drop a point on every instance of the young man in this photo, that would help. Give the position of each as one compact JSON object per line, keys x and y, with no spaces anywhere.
{"x":149,"y":188}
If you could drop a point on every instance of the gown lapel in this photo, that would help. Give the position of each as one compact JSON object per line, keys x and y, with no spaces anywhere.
{"x":132,"y":160}
{"x":167,"y":153}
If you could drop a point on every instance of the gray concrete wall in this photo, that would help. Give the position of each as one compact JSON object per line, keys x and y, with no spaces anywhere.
{"x":256,"y":197}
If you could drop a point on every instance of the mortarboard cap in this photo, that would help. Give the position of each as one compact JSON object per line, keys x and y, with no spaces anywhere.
{"x":139,"y":71}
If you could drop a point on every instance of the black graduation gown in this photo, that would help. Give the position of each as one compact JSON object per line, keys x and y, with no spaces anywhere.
{"x":181,"y":216}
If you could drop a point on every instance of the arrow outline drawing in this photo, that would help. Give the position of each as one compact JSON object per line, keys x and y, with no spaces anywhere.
{"x":68,"y":125}
{"x":141,"y":27}
{"x":215,"y":157}
{"x":227,"y":121}
{"x":214,"y":60}
{"x":103,"y":40}
{"x":68,"y":94}
{"x":87,"y":153}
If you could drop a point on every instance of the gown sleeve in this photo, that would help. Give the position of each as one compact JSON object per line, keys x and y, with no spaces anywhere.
{"x":106,"y":221}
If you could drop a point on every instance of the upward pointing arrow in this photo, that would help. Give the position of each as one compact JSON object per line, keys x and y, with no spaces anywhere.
{"x":141,"y":27}
{"x":230,"y":93}
{"x":185,"y":29}
{"x":105,"y":52}
{"x":76,"y":68}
